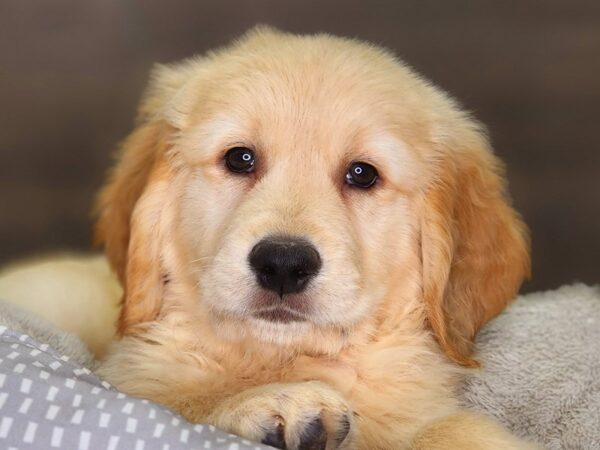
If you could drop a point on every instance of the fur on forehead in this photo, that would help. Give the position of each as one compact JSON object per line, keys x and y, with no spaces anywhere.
{"x":267,"y":72}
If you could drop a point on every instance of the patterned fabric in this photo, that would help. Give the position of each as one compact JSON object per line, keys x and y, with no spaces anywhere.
{"x":49,"y":401}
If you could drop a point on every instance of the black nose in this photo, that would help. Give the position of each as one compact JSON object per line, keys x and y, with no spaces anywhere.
{"x":284,"y":264}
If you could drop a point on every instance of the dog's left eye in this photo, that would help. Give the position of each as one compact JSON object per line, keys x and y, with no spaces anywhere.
{"x":240,"y":160}
{"x":362,"y":175}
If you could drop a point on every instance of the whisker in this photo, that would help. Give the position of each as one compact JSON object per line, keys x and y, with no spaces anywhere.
{"x":201,"y":259}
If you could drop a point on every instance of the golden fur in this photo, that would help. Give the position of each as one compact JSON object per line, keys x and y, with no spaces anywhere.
{"x":48,"y":286}
{"x":411,"y":268}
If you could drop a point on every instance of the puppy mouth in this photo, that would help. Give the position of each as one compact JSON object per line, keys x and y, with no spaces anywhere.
{"x":279,"y":315}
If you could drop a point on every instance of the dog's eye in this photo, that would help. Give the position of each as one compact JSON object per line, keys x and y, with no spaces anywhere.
{"x":362,"y":175}
{"x":240,"y":160}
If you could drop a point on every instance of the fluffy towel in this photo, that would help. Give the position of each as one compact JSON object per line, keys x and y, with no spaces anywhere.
{"x":21,"y":321}
{"x":541,"y":368}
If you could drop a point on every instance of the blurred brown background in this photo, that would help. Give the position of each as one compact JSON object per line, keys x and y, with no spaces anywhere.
{"x":71,"y":72}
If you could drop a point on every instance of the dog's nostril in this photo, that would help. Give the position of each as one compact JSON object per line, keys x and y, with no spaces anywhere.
{"x":300,"y":274}
{"x":284,"y":264}
{"x":268,"y":270}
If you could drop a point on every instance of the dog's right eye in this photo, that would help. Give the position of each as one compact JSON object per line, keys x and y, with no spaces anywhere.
{"x":240,"y":160}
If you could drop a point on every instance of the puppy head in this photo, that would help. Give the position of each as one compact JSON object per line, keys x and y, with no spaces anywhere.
{"x":288,"y":185}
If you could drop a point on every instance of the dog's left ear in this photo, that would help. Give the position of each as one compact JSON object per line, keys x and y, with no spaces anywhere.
{"x":475,"y":248}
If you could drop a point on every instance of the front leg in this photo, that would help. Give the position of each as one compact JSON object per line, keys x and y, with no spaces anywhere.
{"x":468,"y":431}
{"x":295,"y":416}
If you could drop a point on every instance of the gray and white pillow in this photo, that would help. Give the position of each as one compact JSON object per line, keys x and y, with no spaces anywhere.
{"x":48,"y":400}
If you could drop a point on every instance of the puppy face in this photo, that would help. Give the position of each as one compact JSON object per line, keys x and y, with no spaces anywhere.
{"x":295,"y":183}
{"x":302,"y":140}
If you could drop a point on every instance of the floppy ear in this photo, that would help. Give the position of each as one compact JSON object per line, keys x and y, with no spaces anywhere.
{"x":128,"y":211}
{"x":475,"y":247}
{"x":129,"y":206}
{"x":124,"y":186}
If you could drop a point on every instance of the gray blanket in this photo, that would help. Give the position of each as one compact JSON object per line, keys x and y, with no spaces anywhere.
{"x":540,"y":377}
{"x":541,"y":368}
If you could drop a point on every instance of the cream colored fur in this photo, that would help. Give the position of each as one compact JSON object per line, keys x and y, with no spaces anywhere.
{"x":75,"y":293}
{"x":411,"y":268}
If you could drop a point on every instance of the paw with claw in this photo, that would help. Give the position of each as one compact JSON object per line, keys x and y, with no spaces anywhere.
{"x":295,"y":416}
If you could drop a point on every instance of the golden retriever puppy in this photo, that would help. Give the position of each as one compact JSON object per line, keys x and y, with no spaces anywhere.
{"x":309,"y":236}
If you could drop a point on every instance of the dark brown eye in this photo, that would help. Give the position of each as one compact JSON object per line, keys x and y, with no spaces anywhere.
{"x":362,"y":175}
{"x":240,"y":160}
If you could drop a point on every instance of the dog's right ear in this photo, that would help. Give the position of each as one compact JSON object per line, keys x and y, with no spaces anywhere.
{"x":129,"y":207}
{"x":124,"y":186}
{"x":159,"y":115}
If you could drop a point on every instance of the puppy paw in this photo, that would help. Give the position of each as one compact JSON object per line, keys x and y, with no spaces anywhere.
{"x":299,"y":416}
{"x":311,"y":433}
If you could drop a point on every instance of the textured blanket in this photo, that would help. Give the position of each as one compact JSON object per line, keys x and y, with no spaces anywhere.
{"x":541,"y":368}
{"x":540,"y":377}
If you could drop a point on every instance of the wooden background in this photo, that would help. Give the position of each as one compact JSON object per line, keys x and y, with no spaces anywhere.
{"x":71,"y":72}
